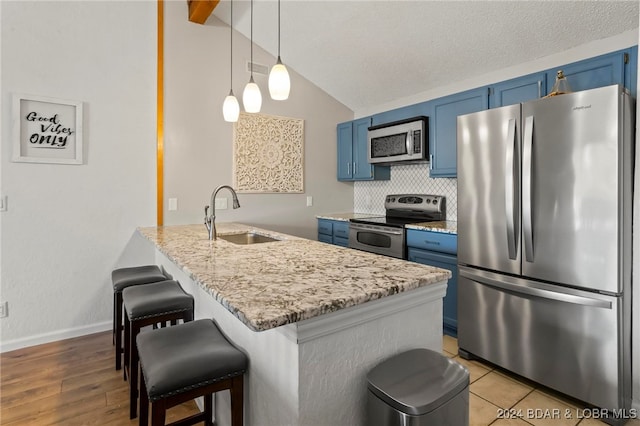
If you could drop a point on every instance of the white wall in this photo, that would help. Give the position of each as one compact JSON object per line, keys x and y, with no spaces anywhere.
{"x":198,"y":142}
{"x":68,"y":225}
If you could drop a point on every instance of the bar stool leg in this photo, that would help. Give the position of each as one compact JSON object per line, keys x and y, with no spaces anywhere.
{"x":208,"y":410}
{"x":144,"y":404}
{"x":127,"y":347}
{"x":117,"y":327}
{"x":133,"y":371}
{"x":237,"y":391}
{"x":158,"y":412}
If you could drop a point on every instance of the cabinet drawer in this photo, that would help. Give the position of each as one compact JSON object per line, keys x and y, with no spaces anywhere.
{"x":344,"y":242}
{"x":325,"y":227}
{"x":341,"y":229}
{"x":433,"y":241}
{"x":325,"y":238}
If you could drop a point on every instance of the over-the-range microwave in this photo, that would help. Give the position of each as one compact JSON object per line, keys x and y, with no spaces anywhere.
{"x":400,"y":141}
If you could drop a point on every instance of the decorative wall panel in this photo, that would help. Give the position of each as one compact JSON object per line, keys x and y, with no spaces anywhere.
{"x":268,"y":154}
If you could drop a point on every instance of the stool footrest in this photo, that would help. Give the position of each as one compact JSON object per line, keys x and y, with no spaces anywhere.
{"x":191,"y":420}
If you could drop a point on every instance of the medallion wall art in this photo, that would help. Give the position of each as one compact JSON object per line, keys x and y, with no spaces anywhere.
{"x":268,"y":154}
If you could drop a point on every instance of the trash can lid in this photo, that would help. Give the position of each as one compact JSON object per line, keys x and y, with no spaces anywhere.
{"x":418,"y":381}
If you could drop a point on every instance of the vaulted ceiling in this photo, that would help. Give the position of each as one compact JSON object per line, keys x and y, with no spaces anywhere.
{"x":367,"y":53}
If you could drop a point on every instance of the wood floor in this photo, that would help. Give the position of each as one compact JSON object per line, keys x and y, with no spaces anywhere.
{"x":70,"y":382}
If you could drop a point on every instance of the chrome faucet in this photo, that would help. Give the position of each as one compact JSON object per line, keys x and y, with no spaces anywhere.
{"x":210,"y":221}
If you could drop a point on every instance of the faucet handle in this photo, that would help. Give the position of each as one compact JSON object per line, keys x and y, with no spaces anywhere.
{"x":206,"y":213}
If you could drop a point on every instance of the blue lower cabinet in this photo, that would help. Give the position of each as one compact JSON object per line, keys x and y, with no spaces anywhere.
{"x":444,"y":260}
{"x":333,"y":232}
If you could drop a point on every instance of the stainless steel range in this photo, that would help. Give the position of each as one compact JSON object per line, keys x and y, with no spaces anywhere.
{"x":386,"y":234}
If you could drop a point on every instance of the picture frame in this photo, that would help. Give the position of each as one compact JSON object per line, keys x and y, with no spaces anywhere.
{"x":46,"y":130}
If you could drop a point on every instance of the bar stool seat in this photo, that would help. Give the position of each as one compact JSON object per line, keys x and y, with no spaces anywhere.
{"x":126,"y":277}
{"x":187,"y":361}
{"x":144,"y":305}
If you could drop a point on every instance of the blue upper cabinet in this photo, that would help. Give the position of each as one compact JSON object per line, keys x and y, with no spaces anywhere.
{"x":353,"y":163}
{"x":600,"y":71}
{"x":443,"y":124}
{"x":631,"y":71}
{"x":521,"y":89}
{"x":403,"y":113}
{"x":345,"y":151}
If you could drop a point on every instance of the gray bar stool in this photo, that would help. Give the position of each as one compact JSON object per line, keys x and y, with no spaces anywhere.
{"x":144,"y":305}
{"x":126,"y":277}
{"x":185,"y":362}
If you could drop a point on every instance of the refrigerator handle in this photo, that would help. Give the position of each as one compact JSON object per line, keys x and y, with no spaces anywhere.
{"x":527,"y":182}
{"x":496,"y":281}
{"x":509,"y":186}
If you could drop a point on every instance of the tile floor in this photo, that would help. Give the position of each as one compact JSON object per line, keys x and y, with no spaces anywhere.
{"x":495,"y":393}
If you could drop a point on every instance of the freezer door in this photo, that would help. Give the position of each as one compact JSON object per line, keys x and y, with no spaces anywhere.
{"x":568,"y":340}
{"x":489,"y":189}
{"x":575,"y":179}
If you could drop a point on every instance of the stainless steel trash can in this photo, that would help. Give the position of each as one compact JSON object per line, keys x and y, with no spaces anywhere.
{"x":418,"y":388}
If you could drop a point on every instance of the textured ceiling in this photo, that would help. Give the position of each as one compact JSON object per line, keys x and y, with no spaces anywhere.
{"x":366,"y":53}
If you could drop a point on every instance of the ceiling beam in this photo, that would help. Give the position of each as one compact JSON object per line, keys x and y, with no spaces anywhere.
{"x":200,"y":10}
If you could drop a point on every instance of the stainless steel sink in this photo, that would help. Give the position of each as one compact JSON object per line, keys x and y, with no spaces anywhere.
{"x":247,"y":238}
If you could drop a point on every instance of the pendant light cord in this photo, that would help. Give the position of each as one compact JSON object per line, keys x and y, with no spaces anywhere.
{"x":251,"y":40}
{"x":231,"y":36}
{"x":278,"y":29}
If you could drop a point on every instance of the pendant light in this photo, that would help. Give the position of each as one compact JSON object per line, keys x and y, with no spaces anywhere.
{"x":279,"y":82}
{"x":231,"y":107}
{"x":251,"y":97}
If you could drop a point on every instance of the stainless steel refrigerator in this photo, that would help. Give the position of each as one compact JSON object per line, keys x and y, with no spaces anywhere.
{"x":544,"y":241}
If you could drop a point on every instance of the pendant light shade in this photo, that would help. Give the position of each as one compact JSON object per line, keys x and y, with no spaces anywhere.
{"x":230,"y":107}
{"x":279,"y":81}
{"x":251,"y":97}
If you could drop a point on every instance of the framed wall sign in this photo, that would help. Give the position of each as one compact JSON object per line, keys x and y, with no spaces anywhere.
{"x":46,"y":130}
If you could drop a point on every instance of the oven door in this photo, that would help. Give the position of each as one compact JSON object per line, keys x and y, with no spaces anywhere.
{"x":385,"y":240}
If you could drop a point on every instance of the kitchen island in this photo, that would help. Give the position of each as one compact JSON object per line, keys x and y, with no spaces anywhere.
{"x":312,"y":317}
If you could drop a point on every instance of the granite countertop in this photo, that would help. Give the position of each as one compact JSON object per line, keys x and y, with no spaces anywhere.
{"x":271,"y":284}
{"x":345,"y":217}
{"x":447,"y":227}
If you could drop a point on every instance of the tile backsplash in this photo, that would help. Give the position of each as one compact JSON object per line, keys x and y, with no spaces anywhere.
{"x":368,"y":197}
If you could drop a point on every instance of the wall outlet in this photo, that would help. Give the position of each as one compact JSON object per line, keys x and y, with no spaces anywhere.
{"x":173,"y":204}
{"x":4,"y":309}
{"x":3,"y":203}
{"x":221,"y":203}
{"x":309,"y":201}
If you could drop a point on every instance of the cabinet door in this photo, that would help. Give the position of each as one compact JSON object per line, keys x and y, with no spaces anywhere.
{"x":403,"y":113}
{"x":631,"y":71}
{"x":345,"y":151}
{"x":450,"y":301}
{"x":442,"y":128}
{"x":518,"y":90}
{"x":362,"y":169}
{"x":600,"y":71}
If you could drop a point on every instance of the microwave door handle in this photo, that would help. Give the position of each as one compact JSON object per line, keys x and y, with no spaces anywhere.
{"x":409,"y":142}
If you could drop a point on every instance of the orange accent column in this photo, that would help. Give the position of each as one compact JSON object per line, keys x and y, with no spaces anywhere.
{"x":160,"y":116}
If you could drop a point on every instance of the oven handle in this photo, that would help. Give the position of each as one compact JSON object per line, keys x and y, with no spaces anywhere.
{"x":370,"y":228}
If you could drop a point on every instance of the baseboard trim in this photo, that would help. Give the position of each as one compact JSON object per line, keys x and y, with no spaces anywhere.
{"x":54,"y":336}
